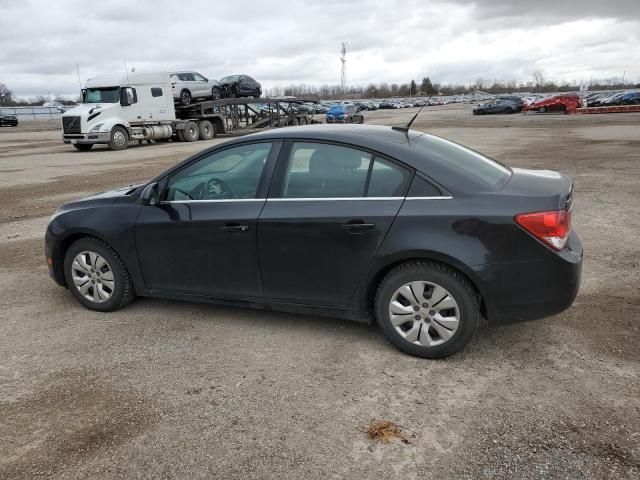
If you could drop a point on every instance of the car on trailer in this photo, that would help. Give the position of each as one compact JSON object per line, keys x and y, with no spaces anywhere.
{"x":190,"y":86}
{"x":241,"y":86}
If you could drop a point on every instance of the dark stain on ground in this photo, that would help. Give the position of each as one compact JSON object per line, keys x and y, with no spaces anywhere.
{"x":73,"y":417}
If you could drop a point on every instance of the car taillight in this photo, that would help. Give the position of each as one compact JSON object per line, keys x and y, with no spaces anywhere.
{"x":551,"y":227}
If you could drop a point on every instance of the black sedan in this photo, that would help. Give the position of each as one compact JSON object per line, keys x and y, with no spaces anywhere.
{"x":8,"y":120}
{"x":360,"y":222}
{"x":240,"y":86}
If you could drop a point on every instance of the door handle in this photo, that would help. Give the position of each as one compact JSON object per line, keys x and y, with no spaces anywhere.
{"x":357,"y":226}
{"x":234,"y":228}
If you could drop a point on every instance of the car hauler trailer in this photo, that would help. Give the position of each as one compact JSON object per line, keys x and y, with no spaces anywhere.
{"x":118,"y":109}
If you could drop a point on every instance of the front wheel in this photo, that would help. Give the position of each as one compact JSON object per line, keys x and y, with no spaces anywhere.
{"x":83,"y":147}
{"x":542,"y":109}
{"x":427,"y":309}
{"x":119,"y":139}
{"x":97,"y":276}
{"x":215,"y":93}
{"x":185,"y":98}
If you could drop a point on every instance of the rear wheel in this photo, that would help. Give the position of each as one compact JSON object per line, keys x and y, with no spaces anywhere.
{"x":83,"y":147}
{"x":119,"y":139}
{"x":427,"y":309}
{"x":206,"y":130}
{"x":97,"y":276}
{"x":191,"y":132}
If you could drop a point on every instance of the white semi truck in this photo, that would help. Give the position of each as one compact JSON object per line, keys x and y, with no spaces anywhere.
{"x":118,"y":109}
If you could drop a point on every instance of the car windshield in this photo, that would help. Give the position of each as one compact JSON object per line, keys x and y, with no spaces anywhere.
{"x":102,"y":95}
{"x":462,"y":160}
{"x":338,"y":109}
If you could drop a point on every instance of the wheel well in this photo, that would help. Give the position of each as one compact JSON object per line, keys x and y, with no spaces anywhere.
{"x":63,"y":247}
{"x":377,"y":278}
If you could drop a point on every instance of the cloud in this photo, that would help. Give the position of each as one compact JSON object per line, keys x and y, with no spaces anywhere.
{"x":299,"y":41}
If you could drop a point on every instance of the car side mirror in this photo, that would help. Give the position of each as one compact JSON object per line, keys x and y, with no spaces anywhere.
{"x":150,"y":196}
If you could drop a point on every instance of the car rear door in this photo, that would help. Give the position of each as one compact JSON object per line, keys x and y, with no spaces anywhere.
{"x":201,"y":239}
{"x":328,"y":210}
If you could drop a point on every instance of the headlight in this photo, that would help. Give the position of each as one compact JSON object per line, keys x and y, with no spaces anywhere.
{"x":97,"y":127}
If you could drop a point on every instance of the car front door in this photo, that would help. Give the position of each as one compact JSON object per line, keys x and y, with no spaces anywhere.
{"x":200,"y":86}
{"x":328,"y":210}
{"x":201,"y":238}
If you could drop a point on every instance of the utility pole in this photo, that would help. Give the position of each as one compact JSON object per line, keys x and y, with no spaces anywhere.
{"x":343,"y":72}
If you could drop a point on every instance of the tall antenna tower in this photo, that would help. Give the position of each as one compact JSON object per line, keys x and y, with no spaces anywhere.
{"x":343,"y":73}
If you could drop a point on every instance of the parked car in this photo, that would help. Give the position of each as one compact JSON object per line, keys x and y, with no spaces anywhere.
{"x":496,"y":106}
{"x":241,"y":86}
{"x":190,"y":86}
{"x":630,"y":98}
{"x":517,"y":101}
{"x":8,"y":119}
{"x":345,"y":113}
{"x":359,"y":222}
{"x":565,"y":102}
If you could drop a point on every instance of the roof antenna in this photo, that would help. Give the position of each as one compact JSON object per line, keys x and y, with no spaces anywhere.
{"x":405,"y":128}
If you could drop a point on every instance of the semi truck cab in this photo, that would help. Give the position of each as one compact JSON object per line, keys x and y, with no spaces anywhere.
{"x":116,"y":109}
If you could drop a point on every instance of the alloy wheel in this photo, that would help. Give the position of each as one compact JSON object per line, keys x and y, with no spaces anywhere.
{"x":93,"y":277}
{"x":424,"y":313}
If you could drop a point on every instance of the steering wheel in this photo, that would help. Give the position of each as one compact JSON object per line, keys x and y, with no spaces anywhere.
{"x":217,"y":189}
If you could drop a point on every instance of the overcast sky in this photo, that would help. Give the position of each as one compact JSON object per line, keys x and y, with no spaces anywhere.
{"x":283,"y":42}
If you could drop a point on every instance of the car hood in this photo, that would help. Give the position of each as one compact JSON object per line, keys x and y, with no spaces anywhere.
{"x":108,"y":197}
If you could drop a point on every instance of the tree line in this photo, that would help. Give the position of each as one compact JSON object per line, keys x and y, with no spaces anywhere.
{"x":427,"y":87}
{"x":539,"y":84}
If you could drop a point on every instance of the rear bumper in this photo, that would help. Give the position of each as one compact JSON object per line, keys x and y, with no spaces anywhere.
{"x":517,"y":292}
{"x":90,"y":138}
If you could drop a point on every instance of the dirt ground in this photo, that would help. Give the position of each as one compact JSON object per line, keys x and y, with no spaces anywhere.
{"x":166,"y":389}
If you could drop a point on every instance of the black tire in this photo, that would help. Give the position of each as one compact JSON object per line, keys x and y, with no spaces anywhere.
{"x":542,"y":109}
{"x":295,"y":122}
{"x":510,"y":111}
{"x":216,"y":93}
{"x":123,"y":291}
{"x":83,"y":147}
{"x":179,"y":135}
{"x":185,"y":97}
{"x":206,"y":131}
{"x":481,"y":112}
{"x":361,"y":119}
{"x":119,"y":139}
{"x":191,"y":132}
{"x":459,"y":288}
{"x":257,"y":94}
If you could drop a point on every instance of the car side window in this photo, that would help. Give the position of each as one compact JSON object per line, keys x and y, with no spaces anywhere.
{"x":388,"y":179}
{"x":233,"y":173}
{"x":319,"y":170}
{"x":199,"y":78}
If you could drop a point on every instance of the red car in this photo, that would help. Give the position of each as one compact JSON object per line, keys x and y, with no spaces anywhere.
{"x":565,"y":102}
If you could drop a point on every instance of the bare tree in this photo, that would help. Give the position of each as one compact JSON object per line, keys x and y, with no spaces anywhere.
{"x":539,"y":79}
{"x":6,"y":96}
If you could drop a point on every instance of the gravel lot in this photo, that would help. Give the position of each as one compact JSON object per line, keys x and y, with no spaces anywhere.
{"x":175,"y":390}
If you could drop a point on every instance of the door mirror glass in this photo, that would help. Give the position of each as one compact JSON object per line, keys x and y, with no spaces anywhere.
{"x":150,"y":195}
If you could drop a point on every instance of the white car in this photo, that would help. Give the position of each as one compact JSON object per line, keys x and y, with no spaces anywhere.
{"x":190,"y":86}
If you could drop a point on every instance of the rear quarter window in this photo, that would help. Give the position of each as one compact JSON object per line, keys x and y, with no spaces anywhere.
{"x":450,"y":158}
